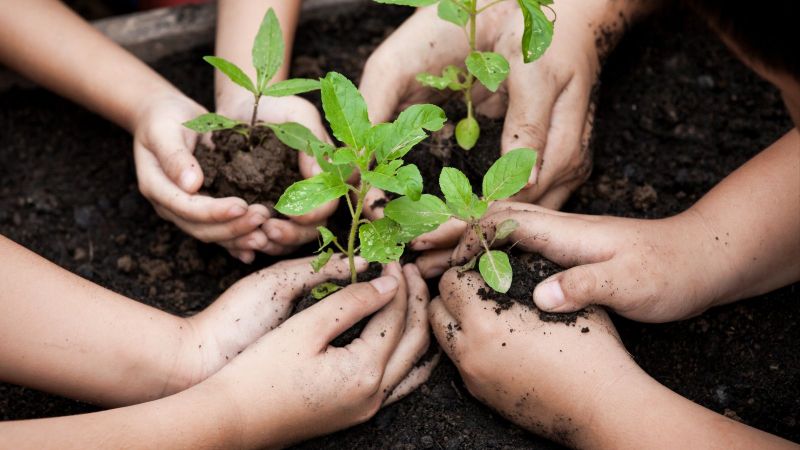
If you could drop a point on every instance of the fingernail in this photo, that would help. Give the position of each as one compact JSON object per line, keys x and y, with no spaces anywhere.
{"x":533,"y":177}
{"x":384,"y":284}
{"x":420,"y":245}
{"x":188,"y":178}
{"x":252,"y":243}
{"x":247,"y":258}
{"x":237,"y":210}
{"x":550,"y":297}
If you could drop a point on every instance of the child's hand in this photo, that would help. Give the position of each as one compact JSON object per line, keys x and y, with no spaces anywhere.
{"x":546,"y":103}
{"x":169,"y":177}
{"x":284,"y":236}
{"x":646,"y":270}
{"x":291,"y":385}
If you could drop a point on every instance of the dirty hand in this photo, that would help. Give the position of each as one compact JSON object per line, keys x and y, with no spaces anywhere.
{"x":547,"y":377}
{"x":292,"y":385}
{"x":280,"y":236}
{"x":546,"y":102}
{"x":646,"y":270}
{"x":170,"y":177}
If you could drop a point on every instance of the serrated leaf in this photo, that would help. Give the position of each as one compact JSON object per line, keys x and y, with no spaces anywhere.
{"x":496,"y":270}
{"x":232,"y":71}
{"x":453,"y":12}
{"x":415,"y":3}
{"x":421,"y":216}
{"x":320,"y":260}
{"x":409,"y":129}
{"x":509,"y":174}
{"x":323,"y":290}
{"x":458,"y":194}
{"x":306,"y":195}
{"x":345,"y":110}
{"x":505,"y":228}
{"x":450,"y":79}
{"x":327,"y":237}
{"x":211,"y":122}
{"x":292,"y":86}
{"x":490,"y":68}
{"x":267,"y":50}
{"x":345,"y":155}
{"x":405,"y":181}
{"x":298,"y":137}
{"x":538,"y":32}
{"x":379,"y":241}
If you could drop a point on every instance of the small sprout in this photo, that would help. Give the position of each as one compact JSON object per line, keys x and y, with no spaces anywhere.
{"x":488,"y":68}
{"x":267,"y":59}
{"x":323,"y":290}
{"x":506,"y":177}
{"x":376,"y":151}
{"x":469,"y":265}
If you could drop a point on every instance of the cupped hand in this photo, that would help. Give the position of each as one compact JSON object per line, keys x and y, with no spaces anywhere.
{"x":292,"y":384}
{"x":646,"y":270}
{"x":545,"y":103}
{"x":550,"y":378}
{"x":169,"y":177}
{"x":279,"y":236}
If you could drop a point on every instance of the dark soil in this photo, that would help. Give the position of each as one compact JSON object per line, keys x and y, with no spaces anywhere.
{"x":372,"y":272}
{"x":674,"y":117}
{"x":258,"y":171}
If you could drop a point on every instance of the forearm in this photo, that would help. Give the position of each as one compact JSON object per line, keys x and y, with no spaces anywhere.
{"x":68,"y":336}
{"x":51,"y":45}
{"x":751,"y":223}
{"x":237,"y":25}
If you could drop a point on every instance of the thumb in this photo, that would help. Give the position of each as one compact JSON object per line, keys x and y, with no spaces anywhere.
{"x":575,"y":289}
{"x":345,"y":308}
{"x":174,"y":151}
{"x":380,"y":87}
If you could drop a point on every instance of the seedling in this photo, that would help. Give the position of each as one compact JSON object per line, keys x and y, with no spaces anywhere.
{"x":489,"y":68}
{"x":507,"y":176}
{"x":376,"y":152}
{"x":268,"y":50}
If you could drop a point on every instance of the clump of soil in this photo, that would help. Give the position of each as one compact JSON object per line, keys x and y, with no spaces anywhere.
{"x":373,"y":271}
{"x":529,"y":271}
{"x":258,"y":171}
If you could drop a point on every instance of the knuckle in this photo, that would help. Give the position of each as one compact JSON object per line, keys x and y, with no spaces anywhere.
{"x":579,"y":285}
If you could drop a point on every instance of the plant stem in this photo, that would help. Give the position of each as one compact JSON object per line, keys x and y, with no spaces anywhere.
{"x":351,"y":240}
{"x":255,"y":111}
{"x":473,"y":15}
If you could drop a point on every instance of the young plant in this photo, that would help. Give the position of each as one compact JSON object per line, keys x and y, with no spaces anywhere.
{"x":376,"y":152}
{"x":488,"y":68}
{"x":507,"y":176}
{"x":268,"y":50}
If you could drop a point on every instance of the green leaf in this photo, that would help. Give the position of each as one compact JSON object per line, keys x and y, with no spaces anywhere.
{"x":293,"y":86}
{"x":450,"y":79}
{"x":323,"y":290}
{"x":211,"y":122}
{"x":267,"y":50}
{"x":489,"y":68}
{"x":509,"y":174}
{"x":345,"y":110}
{"x":406,"y":181}
{"x":306,"y":195}
{"x":379,"y":241}
{"x":398,"y":138}
{"x":327,"y":237}
{"x":505,"y":228}
{"x":415,"y":3}
{"x":496,"y":270}
{"x":467,"y":132}
{"x":469,"y":265}
{"x":421,"y":216}
{"x":232,"y":71}
{"x":538,"y":32}
{"x":344,"y":155}
{"x":319,"y":262}
{"x":458,"y":194}
{"x":453,"y":12}
{"x":299,"y":137}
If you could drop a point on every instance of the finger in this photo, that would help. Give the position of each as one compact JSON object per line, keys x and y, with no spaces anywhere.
{"x":254,"y":240}
{"x":215,"y":232}
{"x":245,"y":256}
{"x":416,"y":338}
{"x":287,"y":233}
{"x":445,"y":236}
{"x":557,"y":196}
{"x":173,"y":147}
{"x":577,"y":288}
{"x":434,"y":262}
{"x":309,"y":166}
{"x":325,"y":320}
{"x":374,"y":202}
{"x":160,"y":190}
{"x":445,"y":328}
{"x":383,"y":332}
{"x":275,"y":249}
{"x":416,"y":378}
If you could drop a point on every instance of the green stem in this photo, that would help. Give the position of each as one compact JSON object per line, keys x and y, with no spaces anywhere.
{"x":255,"y":111}
{"x":351,"y":240}
{"x":473,"y":16}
